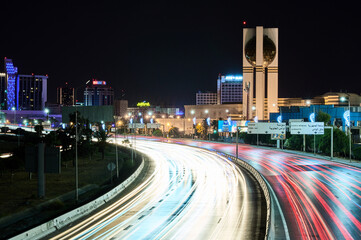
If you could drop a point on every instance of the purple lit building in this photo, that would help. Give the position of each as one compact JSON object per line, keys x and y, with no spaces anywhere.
{"x":21,"y":91}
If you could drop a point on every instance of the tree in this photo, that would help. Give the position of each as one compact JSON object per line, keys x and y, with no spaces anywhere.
{"x":39,"y":129}
{"x":157,"y":133}
{"x":102,"y":137}
{"x":214,"y":125}
{"x":174,"y":132}
{"x":201,"y":130}
{"x":340,"y":142}
{"x":323,"y":117}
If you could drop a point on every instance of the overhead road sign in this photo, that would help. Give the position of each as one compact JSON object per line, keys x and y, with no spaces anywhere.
{"x":153,"y":125}
{"x":266,"y":128}
{"x":307,"y":128}
{"x":136,"y":125}
{"x":296,"y":120}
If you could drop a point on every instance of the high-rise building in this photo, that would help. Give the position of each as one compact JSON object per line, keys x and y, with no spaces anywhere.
{"x":260,"y":72}
{"x":20,"y":91}
{"x":229,"y":89}
{"x":205,"y":98}
{"x":65,"y":96}
{"x":32,"y":93}
{"x":120,"y":107}
{"x":3,"y":91}
{"x":98,"y":94}
{"x":11,"y":78}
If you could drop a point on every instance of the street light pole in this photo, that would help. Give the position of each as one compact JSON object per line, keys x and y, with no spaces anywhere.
{"x":116,"y":146}
{"x":237,"y":142}
{"x":349,"y":129}
{"x":314,"y":137}
{"x":342,"y":99}
{"x":76,"y":156}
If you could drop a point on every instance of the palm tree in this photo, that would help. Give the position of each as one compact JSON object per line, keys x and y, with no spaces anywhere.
{"x":174,"y":132}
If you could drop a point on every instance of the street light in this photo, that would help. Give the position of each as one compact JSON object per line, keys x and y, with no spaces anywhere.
{"x":116,"y":145}
{"x":348,"y":123}
{"x":46,"y":110}
{"x":14,"y":109}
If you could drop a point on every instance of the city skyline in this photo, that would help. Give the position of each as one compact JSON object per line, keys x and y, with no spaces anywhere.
{"x":179,"y":49}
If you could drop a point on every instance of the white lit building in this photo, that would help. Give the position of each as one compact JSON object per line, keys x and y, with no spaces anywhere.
{"x":229,"y":89}
{"x":205,"y":98}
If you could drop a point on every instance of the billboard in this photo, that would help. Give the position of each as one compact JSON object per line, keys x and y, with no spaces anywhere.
{"x":227,"y":126}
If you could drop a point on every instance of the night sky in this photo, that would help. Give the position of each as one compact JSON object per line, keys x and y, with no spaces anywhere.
{"x":164,"y":52}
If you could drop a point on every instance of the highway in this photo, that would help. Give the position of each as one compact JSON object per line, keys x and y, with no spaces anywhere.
{"x":190,"y":193}
{"x":320,"y":199}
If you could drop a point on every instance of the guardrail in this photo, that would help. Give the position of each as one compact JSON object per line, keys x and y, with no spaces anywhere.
{"x":262,"y":183}
{"x":47,"y":228}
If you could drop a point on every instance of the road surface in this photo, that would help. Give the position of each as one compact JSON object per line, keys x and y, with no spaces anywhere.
{"x":320,"y":199}
{"x":191,"y":194}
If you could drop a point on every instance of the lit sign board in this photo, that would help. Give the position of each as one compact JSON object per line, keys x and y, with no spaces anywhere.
{"x":266,"y":128}
{"x":231,"y":77}
{"x":307,"y":128}
{"x":96,"y":82}
{"x":227,"y":126}
{"x":143,"y":104}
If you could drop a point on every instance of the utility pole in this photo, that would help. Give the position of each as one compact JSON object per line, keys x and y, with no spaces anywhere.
{"x":349,"y":129}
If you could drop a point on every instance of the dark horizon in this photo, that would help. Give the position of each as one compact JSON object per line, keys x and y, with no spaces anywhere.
{"x":165,"y":53}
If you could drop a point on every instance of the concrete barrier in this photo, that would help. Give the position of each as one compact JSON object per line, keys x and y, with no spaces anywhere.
{"x":271,"y":199}
{"x":47,"y":228}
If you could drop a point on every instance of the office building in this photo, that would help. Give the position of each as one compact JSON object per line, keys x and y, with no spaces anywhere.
{"x":65,"y":96}
{"x":21,"y":91}
{"x":229,"y":89}
{"x":3,"y":91}
{"x":32,"y":94}
{"x":260,"y":72}
{"x":120,"y":107}
{"x":205,"y":98}
{"x":98,"y":94}
{"x":215,"y":112}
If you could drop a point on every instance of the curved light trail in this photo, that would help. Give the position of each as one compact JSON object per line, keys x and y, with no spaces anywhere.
{"x":320,"y":199}
{"x":191,"y":194}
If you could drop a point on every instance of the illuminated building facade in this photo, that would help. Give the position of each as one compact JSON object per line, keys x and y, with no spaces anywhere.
{"x":21,"y":91}
{"x":98,"y":94}
{"x":229,"y":89}
{"x":11,"y":78}
{"x":32,"y":94}
{"x":3,"y":91}
{"x":204,"y":98}
{"x":65,"y":96}
{"x":260,"y":72}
